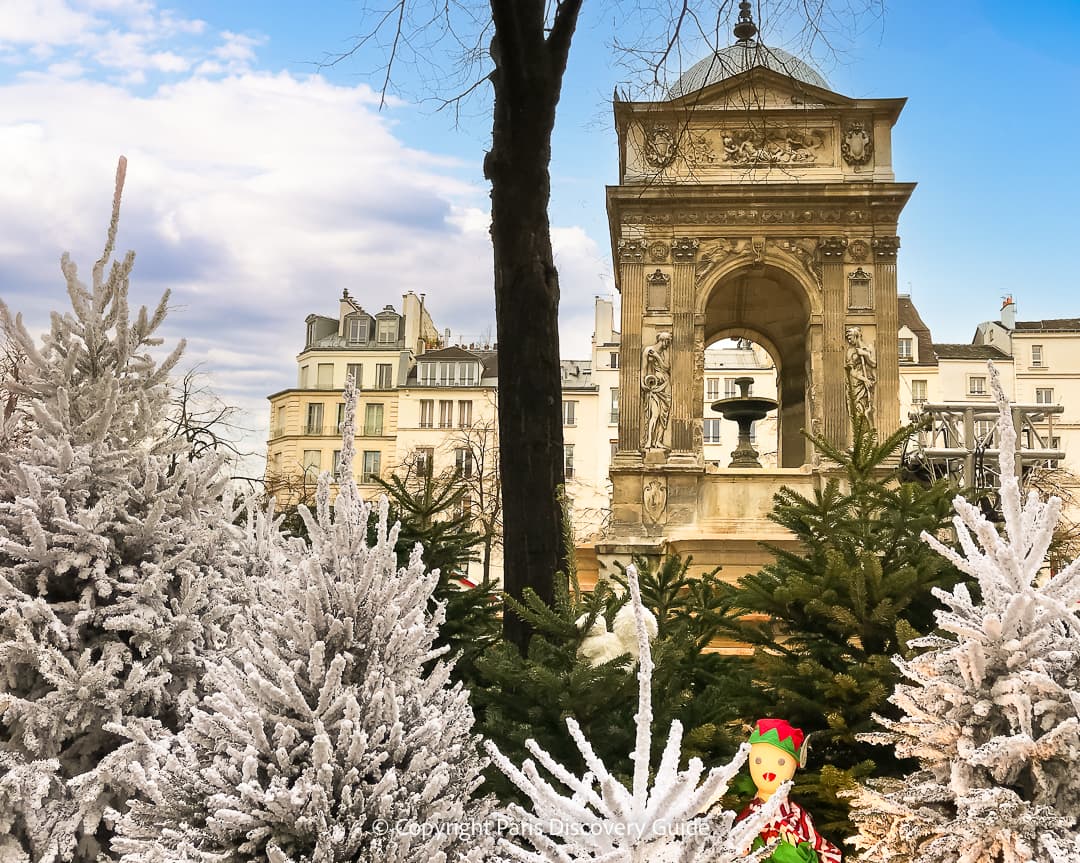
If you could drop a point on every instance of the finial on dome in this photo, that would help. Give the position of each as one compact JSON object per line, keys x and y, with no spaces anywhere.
{"x":746,"y":29}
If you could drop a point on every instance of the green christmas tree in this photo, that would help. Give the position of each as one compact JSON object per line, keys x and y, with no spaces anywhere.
{"x":826,"y":619}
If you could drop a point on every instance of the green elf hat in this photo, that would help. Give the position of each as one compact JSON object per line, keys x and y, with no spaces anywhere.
{"x":783,"y":735}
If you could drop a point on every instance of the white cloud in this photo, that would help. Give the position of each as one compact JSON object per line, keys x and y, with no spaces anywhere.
{"x":255,"y":199}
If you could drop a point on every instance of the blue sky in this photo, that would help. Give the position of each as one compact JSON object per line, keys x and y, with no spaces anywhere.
{"x":260,"y":184}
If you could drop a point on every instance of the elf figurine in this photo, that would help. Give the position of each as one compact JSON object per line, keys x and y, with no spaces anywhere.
{"x":776,"y":749}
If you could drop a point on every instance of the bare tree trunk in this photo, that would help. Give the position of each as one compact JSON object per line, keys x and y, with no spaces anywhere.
{"x":529,"y":67}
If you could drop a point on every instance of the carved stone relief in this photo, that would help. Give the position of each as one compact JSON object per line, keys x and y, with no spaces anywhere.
{"x":858,"y":250}
{"x":778,"y":146}
{"x":714,"y":252}
{"x":658,"y":252}
{"x":885,"y":248}
{"x":658,"y":291}
{"x":684,"y":249}
{"x":832,"y":248}
{"x":860,"y":360}
{"x":800,"y":252}
{"x":856,"y":146}
{"x":655,"y":392}
{"x":654,"y":501}
{"x":660,"y":148}
{"x":749,"y":216}
{"x":631,"y":251}
{"x":805,"y":252}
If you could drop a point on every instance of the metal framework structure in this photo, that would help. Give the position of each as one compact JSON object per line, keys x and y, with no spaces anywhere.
{"x":959,"y":441}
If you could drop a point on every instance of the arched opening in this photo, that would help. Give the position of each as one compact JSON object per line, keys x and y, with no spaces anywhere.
{"x":727,"y":362}
{"x":767,"y":306}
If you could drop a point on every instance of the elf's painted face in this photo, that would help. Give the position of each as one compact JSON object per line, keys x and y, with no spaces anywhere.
{"x":769,"y":767}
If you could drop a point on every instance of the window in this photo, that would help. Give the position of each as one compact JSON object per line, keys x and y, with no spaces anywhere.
{"x":314,"y":419}
{"x":976,"y":385}
{"x":425,"y":460}
{"x":730,"y":390}
{"x":614,"y":418}
{"x":918,"y":392}
{"x":1036,"y":356}
{"x":384,"y":376}
{"x":464,"y":414}
{"x":446,"y":413}
{"x":712,"y":431}
{"x":463,"y":461}
{"x":906,"y":355}
{"x":569,"y":412}
{"x":310,"y":333}
{"x":312,"y":464}
{"x":568,"y":460}
{"x":387,"y":332}
{"x":614,"y":449}
{"x":446,"y":374}
{"x":340,"y":417}
{"x":336,"y":462}
{"x":303,"y":377}
{"x":614,"y":359}
{"x":463,"y":505}
{"x":281,"y":417}
{"x":427,"y":374}
{"x":427,"y":413}
{"x":372,"y":466}
{"x":373,"y":417}
{"x":356,"y":332}
{"x":1044,"y":395}
{"x":356,"y":372}
{"x":712,"y":389}
{"x":326,"y":376}
{"x":466,"y":374}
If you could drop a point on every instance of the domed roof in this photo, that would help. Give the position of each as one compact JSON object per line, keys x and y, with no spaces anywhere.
{"x":743,"y":55}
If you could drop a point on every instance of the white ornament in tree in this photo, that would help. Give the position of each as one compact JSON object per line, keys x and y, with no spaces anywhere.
{"x":992,"y":709}
{"x":600,"y":646}
{"x":602,"y":821}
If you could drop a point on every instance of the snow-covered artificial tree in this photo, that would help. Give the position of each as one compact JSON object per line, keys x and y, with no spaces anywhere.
{"x":333,"y":733}
{"x":602,"y":821}
{"x":116,"y":568}
{"x":992,"y":709}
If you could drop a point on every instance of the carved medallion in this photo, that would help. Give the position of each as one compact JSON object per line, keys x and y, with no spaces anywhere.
{"x":684,"y":250}
{"x":632,"y":251}
{"x":857,"y":147}
{"x":858,"y":250}
{"x":658,"y":252}
{"x":654,"y":501}
{"x":659,"y":146}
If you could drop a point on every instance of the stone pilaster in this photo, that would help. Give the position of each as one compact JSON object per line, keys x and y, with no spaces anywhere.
{"x":683,"y":344}
{"x":888,"y":395}
{"x":632,"y":283}
{"x":834,"y":387}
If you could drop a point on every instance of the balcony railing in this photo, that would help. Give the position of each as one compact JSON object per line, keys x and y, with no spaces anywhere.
{"x":314,"y":429}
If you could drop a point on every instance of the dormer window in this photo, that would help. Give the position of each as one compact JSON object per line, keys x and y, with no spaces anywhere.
{"x":906,"y":355}
{"x":427,"y":374}
{"x":355,"y":330}
{"x":310,"y":333}
{"x":466,"y":374}
{"x":446,"y":374}
{"x":387,"y":331}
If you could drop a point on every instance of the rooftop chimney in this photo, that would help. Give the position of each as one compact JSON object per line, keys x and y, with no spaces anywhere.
{"x":1008,"y":313}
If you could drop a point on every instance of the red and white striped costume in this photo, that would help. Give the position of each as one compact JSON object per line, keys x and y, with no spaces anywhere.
{"x":794,"y":818}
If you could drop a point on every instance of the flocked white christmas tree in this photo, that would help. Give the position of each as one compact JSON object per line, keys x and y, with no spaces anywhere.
{"x":597,"y":819}
{"x":992,"y":709}
{"x":334,"y":733}
{"x":117,"y":561}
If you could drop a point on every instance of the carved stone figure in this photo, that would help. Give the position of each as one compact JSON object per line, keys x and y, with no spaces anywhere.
{"x":655,"y":391}
{"x":782,"y":146}
{"x":861,"y":364}
{"x":857,"y":147}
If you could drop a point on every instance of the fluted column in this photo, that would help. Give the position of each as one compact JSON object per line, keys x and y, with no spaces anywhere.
{"x":834,"y":387}
{"x":886,"y":408}
{"x":632,"y":283}
{"x":683,"y":253}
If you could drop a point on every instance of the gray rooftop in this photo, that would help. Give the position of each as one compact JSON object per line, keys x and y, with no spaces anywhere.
{"x":740,"y":57}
